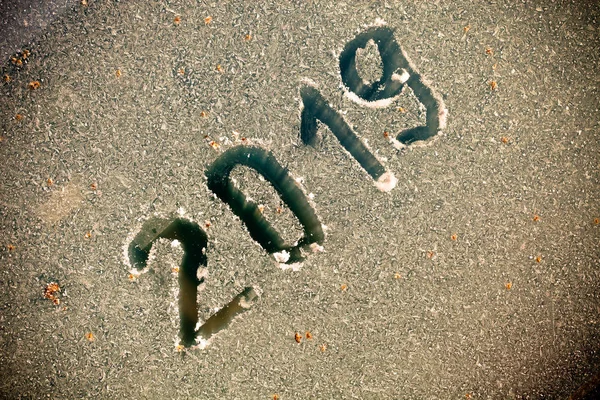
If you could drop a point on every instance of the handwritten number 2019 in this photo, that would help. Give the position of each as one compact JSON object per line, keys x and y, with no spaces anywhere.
{"x":398,"y":72}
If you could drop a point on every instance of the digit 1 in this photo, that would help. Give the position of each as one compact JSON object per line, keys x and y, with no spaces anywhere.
{"x":193,"y":241}
{"x":219,"y":182}
{"x":397,"y":70}
{"x":316,"y":108}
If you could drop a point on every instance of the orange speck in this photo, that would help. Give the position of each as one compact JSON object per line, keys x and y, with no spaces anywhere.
{"x":489,"y":51}
{"x":344,"y":287}
{"x":275,"y":397}
{"x":298,"y":337}
{"x":504,"y":139}
{"x":538,"y":259}
{"x":323,"y":347}
{"x":7,"y":78}
{"x":466,"y":28}
{"x":52,"y":288}
{"x":94,"y":186}
{"x":278,"y":210}
{"x":50,"y":292}
{"x":454,"y":236}
{"x":248,"y":37}
{"x":536,"y":218}
{"x":401,"y":109}
{"x":10,"y":247}
{"x":214,"y":145}
{"x":430,"y":254}
{"x":494,"y":67}
{"x":596,"y":221}
{"x":175,"y":270}
{"x":50,"y":182}
{"x":181,"y":71}
{"x":493,"y":85}
{"x":468,"y":396}
{"x":261,"y":208}
{"x":386,"y":134}
{"x":90,"y":337}
{"x":33,"y":85}
{"x":179,"y":348}
{"x":508,"y":285}
{"x":207,"y":224}
{"x":203,"y":114}
{"x":84,"y":2}
{"x":131,"y":277}
{"x":308,"y":335}
{"x":219,"y":68}
{"x":177,"y":20}
{"x":397,"y":275}
{"x":88,"y":234}
{"x":118,"y":73}
{"x":19,"y":117}
{"x":207,"y":20}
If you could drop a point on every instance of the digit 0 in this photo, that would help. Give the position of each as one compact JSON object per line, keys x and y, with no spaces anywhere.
{"x":259,"y":228}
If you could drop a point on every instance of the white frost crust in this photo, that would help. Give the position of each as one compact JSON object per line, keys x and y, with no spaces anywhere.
{"x":443,"y":118}
{"x":202,"y":343}
{"x":397,"y":144}
{"x":136,"y":272}
{"x":378,"y":22}
{"x":381,"y":103}
{"x":202,"y":273}
{"x":282,"y":256}
{"x":386,"y":182}
{"x":173,"y":308}
{"x":294,"y":267}
{"x":309,"y":82}
{"x":316,"y":248}
{"x":245,"y":304}
{"x":402,"y":78}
